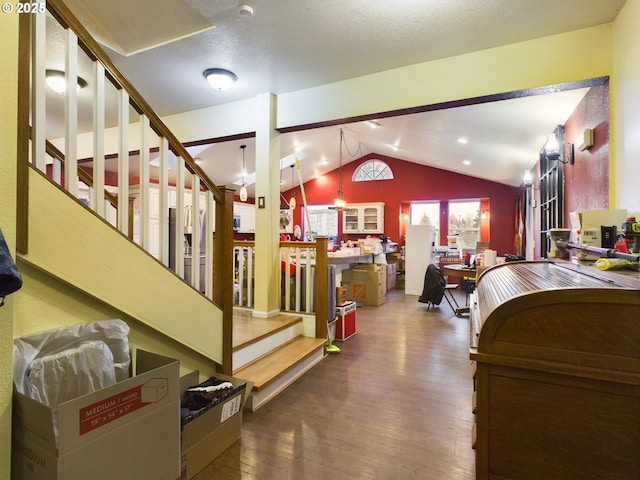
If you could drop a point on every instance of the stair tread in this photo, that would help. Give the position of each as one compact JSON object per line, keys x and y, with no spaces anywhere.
{"x":277,"y":362}
{"x":248,"y":329}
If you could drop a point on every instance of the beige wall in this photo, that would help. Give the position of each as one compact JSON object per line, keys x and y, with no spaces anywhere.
{"x":625,"y":95}
{"x":8,"y":132}
{"x":577,"y":55}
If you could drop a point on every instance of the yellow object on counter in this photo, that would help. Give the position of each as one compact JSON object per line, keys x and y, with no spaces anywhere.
{"x":612,"y":263}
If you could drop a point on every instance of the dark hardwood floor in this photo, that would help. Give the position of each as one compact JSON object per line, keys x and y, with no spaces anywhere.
{"x":394,"y":404}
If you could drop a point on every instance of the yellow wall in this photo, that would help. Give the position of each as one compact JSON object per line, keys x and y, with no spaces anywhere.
{"x":625,"y":92}
{"x":8,"y":126}
{"x":546,"y":61}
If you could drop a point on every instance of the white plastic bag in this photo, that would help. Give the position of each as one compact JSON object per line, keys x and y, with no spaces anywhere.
{"x":93,"y":355}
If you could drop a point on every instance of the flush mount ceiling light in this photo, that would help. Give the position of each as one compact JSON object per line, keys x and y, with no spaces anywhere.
{"x":219,"y":78}
{"x":57,"y":81}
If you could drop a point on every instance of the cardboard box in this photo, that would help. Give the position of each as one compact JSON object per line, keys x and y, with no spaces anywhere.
{"x":366,"y":284}
{"x":209,"y":434}
{"x":586,"y":227}
{"x":391,"y":276}
{"x":129,"y":430}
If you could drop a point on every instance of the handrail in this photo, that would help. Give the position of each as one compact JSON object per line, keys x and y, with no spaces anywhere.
{"x":65,"y":17}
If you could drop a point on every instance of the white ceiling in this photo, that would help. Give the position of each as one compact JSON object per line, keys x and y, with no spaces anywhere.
{"x":288,"y":45}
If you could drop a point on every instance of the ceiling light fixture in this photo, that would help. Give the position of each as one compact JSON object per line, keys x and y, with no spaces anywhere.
{"x":339,"y":202}
{"x":243,"y":189}
{"x":292,"y":200}
{"x":219,"y":78}
{"x":57,"y":81}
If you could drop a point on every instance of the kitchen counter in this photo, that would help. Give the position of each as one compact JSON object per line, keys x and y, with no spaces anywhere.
{"x":337,"y":259}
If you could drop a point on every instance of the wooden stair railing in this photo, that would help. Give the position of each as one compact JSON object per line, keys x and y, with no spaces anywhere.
{"x":33,"y":146}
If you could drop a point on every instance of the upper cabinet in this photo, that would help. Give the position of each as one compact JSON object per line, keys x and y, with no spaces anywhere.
{"x":247,"y":214}
{"x":363,"y":218}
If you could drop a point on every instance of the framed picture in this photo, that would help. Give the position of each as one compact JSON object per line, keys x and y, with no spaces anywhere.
{"x":286,"y":220}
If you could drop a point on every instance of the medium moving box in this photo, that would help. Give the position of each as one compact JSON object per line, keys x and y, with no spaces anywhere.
{"x":129,"y":430}
{"x":366,"y":284}
{"x":210,"y":433}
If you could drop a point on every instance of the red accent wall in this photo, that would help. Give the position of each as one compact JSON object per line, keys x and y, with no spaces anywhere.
{"x":587,"y":180}
{"x":411,"y":183}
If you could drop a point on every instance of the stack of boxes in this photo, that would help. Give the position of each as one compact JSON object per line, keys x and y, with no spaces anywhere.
{"x":366,"y":284}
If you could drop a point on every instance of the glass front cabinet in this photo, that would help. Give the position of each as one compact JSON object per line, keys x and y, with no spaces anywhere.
{"x":363,"y":218}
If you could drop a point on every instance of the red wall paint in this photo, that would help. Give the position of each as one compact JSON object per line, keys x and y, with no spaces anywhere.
{"x":411,"y":183}
{"x":587,"y":180}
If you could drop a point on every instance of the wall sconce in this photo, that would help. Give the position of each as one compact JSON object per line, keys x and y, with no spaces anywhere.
{"x":527,"y":179}
{"x":552,"y":146}
{"x":485,"y":214}
{"x":555,"y":148}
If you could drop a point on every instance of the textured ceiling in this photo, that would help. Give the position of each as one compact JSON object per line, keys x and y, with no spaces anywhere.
{"x":288,"y":45}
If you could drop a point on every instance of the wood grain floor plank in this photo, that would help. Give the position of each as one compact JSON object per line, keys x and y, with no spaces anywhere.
{"x":395,"y":404}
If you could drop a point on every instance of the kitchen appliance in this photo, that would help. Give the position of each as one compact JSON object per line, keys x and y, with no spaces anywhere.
{"x":559,"y":239}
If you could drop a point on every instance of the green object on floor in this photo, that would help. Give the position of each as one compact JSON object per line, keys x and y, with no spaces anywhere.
{"x":331,"y":348}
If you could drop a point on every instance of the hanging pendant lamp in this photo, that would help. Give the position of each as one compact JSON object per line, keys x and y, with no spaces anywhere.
{"x":292,"y":200}
{"x":243,"y":189}
{"x":339,"y":202}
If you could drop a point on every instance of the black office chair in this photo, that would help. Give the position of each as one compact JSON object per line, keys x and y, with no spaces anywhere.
{"x":435,"y":288}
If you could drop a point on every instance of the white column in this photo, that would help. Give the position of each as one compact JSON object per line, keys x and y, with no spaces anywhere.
{"x":267,"y":234}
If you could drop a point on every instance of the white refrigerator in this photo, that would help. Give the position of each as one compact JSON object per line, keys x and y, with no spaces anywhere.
{"x":419,"y":243}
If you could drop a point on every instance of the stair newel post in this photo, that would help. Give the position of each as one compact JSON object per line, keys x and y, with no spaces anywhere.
{"x":322,"y":286}
{"x":223,"y":273}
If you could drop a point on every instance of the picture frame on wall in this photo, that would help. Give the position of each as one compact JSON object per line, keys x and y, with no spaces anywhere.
{"x":286,"y":220}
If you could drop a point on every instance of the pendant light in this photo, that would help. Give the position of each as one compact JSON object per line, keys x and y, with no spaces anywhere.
{"x":292,"y":200}
{"x":340,"y":203}
{"x":243,"y":189}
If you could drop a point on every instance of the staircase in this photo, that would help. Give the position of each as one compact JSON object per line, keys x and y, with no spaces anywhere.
{"x":272,"y":353}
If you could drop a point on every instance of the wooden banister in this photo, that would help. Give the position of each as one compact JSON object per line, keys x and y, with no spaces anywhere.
{"x":65,"y":17}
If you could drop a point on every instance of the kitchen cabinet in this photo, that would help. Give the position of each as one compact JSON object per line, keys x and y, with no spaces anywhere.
{"x":363,"y":218}
{"x":247,"y":214}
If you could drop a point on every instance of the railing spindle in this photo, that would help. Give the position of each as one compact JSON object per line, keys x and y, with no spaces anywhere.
{"x":98,"y":198}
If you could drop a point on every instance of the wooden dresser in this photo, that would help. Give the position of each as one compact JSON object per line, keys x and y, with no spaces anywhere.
{"x":556,"y":348}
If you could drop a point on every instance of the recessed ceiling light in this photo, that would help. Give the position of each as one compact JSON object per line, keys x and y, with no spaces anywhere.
{"x":373,"y":124}
{"x":463,"y":140}
{"x":466,"y":162}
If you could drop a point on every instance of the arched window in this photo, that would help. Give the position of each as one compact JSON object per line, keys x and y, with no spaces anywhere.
{"x":372,"y":170}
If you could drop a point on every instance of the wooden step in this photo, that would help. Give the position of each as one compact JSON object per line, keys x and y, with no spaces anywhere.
{"x":248,"y":329}
{"x":274,"y":371}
